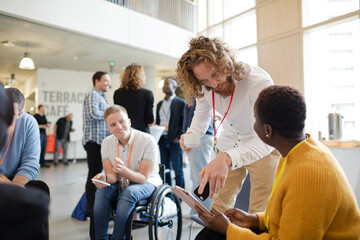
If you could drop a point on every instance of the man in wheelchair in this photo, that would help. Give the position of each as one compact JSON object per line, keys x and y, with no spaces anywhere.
{"x":130,"y":160}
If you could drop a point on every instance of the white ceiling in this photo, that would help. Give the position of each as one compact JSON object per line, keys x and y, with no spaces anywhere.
{"x":58,"y":49}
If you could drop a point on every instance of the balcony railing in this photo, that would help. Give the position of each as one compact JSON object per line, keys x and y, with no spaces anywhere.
{"x":181,"y":13}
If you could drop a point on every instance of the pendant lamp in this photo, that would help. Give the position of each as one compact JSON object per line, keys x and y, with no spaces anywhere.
{"x":27,"y":63}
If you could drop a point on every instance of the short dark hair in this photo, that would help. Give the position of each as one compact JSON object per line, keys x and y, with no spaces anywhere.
{"x":98,"y":76}
{"x":17,"y":97}
{"x":283,"y":108}
{"x":6,"y":113}
{"x":40,"y":106}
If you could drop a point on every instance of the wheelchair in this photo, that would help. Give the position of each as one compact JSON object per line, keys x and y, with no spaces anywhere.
{"x":161,"y":213}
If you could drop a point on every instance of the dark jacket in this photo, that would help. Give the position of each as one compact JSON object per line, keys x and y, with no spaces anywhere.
{"x":61,"y":123}
{"x":176,"y":117}
{"x":139,"y":105}
{"x":24,"y":213}
{"x":188,"y":116}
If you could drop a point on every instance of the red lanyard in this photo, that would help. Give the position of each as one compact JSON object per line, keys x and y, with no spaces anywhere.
{"x":213,"y":103}
{"x":132,"y":143}
{"x":12,"y":133}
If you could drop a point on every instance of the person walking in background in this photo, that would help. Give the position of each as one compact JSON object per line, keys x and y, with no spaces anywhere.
{"x":62,"y":130}
{"x":170,"y":114}
{"x":95,"y":130}
{"x":209,"y":72}
{"x":199,"y":157}
{"x":43,"y":125}
{"x":138,"y":101}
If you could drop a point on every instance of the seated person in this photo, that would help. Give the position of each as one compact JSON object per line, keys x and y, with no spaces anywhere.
{"x":311,"y":197}
{"x":130,"y":160}
{"x":24,"y":212}
{"x":21,"y":151}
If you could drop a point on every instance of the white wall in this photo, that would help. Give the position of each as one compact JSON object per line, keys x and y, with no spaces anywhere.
{"x":114,"y":23}
{"x":63,"y":92}
{"x":29,"y":88}
{"x":349,"y":159}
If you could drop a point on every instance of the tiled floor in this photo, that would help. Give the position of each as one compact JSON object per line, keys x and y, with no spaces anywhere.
{"x":67,"y":184}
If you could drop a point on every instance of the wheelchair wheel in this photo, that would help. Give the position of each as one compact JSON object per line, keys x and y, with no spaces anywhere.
{"x":166,"y":220}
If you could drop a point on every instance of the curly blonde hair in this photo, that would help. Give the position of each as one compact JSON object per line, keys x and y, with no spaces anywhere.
{"x":209,"y":51}
{"x":133,"y":77}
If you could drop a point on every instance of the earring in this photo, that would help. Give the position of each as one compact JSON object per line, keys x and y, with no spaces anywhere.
{"x":267,"y":135}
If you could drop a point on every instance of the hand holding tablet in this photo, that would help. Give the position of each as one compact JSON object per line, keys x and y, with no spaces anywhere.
{"x":189,"y":199}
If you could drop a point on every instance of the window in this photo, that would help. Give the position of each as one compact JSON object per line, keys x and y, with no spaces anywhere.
{"x":215,"y":11}
{"x":234,"y":7}
{"x":241,"y":31}
{"x":248,"y":55}
{"x":315,"y":11}
{"x":216,"y":31}
{"x":332,"y":76}
{"x":202,"y":15}
{"x":232,"y":20}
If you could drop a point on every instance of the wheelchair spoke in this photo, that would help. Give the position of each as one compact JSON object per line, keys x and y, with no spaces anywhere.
{"x":167,"y":219}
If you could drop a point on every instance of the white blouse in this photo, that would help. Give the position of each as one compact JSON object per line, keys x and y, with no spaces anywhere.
{"x":238,"y":138}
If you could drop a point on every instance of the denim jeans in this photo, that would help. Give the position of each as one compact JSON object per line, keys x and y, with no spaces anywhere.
{"x":43,"y":143}
{"x":126,"y":201}
{"x":199,"y":157}
{"x":171,"y":157}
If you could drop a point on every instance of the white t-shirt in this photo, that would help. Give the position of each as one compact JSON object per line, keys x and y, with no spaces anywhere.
{"x":238,"y":137}
{"x":144,"y":149}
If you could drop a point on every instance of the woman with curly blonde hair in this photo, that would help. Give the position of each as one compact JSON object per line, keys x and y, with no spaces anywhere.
{"x":209,"y":72}
{"x":138,"y":101}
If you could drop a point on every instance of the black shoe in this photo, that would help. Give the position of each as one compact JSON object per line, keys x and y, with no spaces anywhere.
{"x":45,"y":166}
{"x":55,"y":163}
{"x":66,"y":163}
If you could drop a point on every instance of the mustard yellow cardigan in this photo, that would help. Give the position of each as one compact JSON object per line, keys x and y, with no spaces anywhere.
{"x":313,"y":200}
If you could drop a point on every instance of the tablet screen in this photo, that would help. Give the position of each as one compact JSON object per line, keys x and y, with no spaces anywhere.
{"x":188,"y":198}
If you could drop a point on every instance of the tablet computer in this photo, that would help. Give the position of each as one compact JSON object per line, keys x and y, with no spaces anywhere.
{"x":188,"y":198}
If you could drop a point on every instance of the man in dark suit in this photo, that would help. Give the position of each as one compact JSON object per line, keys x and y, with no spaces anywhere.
{"x":170,"y":114}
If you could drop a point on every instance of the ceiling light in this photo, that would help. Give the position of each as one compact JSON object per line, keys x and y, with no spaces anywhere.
{"x":12,"y":81}
{"x":7,"y":43}
{"x":27,"y":63}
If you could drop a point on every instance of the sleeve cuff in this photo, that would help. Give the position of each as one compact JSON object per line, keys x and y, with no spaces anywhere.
{"x":234,"y":232}
{"x":234,"y":155}
{"x":261,"y":216}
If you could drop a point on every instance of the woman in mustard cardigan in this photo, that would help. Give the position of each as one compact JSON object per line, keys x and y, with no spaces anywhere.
{"x":311,"y":197}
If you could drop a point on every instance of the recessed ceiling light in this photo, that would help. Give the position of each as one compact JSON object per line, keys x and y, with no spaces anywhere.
{"x":7,"y":43}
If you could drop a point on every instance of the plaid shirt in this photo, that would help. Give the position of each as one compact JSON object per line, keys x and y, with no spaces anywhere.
{"x":94,"y":126}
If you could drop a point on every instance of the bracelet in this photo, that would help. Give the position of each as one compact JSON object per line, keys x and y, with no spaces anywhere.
{"x":105,"y":178}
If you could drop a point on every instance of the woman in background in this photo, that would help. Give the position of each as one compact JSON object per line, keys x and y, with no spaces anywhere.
{"x":138,"y":101}
{"x":311,"y":197}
